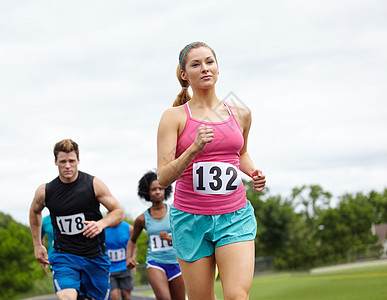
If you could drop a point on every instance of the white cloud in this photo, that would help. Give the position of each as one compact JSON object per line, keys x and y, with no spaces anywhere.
{"x":101,"y":73}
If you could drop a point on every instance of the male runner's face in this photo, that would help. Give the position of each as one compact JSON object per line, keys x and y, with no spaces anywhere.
{"x":68,"y":166}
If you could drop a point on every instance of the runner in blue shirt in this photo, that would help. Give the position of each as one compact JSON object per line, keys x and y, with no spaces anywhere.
{"x":121,"y":278}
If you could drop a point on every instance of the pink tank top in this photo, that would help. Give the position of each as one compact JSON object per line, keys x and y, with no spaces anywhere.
{"x":212,"y":183}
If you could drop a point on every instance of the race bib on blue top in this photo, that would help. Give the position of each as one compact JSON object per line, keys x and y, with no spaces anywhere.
{"x":116,"y":255}
{"x":157,"y":244}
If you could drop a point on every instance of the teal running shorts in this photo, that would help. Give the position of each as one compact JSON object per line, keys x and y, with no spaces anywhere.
{"x":196,"y":236}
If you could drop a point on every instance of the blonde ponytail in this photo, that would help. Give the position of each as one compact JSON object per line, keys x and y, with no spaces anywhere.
{"x":184,"y":95}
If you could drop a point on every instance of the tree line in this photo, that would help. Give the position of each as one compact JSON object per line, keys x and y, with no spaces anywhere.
{"x":301,"y":231}
{"x":305,"y":230}
{"x":18,"y":265}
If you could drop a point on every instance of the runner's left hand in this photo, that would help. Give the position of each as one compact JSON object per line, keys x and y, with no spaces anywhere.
{"x":259,"y":180}
{"x":92,"y":229}
{"x":165,"y":236}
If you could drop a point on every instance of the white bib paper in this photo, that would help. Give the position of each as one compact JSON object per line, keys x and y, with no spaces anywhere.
{"x":72,"y":224}
{"x":116,"y":255}
{"x":157,"y":244}
{"x":215,"y":178}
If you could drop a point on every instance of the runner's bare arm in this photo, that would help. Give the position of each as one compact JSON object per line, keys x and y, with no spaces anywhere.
{"x":113,"y":218}
{"x":134,"y":251}
{"x":246,"y":164}
{"x":37,"y":205}
{"x":131,"y":251}
{"x":169,"y":168}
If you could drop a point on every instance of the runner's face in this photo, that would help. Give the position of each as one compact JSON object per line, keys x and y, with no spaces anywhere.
{"x":67,"y":165}
{"x":201,"y":69}
{"x":156,"y":192}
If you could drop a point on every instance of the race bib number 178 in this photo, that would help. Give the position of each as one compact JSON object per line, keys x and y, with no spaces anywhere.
{"x":215,"y":178}
{"x":72,"y":224}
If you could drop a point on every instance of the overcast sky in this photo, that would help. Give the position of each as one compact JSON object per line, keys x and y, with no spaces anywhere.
{"x":313,"y":74}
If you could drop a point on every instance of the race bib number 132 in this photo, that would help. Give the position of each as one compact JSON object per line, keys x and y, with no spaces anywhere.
{"x":215,"y":178}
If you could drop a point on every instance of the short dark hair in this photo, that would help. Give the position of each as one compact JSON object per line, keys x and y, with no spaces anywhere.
{"x":144,"y":184}
{"x":67,"y":146}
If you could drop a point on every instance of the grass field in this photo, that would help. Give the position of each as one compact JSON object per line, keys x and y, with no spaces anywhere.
{"x":367,"y":283}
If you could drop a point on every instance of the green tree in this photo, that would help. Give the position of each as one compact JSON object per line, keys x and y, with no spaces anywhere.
{"x":379,"y":202}
{"x":333,"y":240}
{"x":18,"y":266}
{"x":300,"y":250}
{"x":275,"y":224}
{"x":312,"y":203}
{"x":303,"y":231}
{"x":346,"y":231}
{"x":285,"y":236}
{"x":282,"y":233}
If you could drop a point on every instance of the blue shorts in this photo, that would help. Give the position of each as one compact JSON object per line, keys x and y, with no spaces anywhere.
{"x":171,"y":270}
{"x":196,"y":236}
{"x":87,"y":275}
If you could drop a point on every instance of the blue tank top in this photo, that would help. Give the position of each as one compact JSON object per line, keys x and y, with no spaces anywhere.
{"x":159,"y":250}
{"x":116,"y":240}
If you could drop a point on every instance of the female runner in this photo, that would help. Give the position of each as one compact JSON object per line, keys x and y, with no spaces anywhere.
{"x":163,"y":270}
{"x":202,"y":143}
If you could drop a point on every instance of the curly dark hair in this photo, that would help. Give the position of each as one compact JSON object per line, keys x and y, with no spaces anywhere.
{"x":144,"y":184}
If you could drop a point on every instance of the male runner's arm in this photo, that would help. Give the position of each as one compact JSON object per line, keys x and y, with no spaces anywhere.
{"x":113,"y":218}
{"x":37,"y":205}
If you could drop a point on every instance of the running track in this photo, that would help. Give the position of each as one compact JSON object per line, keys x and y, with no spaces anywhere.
{"x":53,"y":297}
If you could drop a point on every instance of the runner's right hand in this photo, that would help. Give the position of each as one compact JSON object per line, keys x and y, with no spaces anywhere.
{"x":131,"y":263}
{"x":42,"y":257}
{"x":204,"y":135}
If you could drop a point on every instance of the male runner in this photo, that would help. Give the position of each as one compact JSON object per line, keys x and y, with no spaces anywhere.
{"x":79,"y":262}
{"x":121,"y":278}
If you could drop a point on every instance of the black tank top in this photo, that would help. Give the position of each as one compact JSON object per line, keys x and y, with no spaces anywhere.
{"x":70,"y":204}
